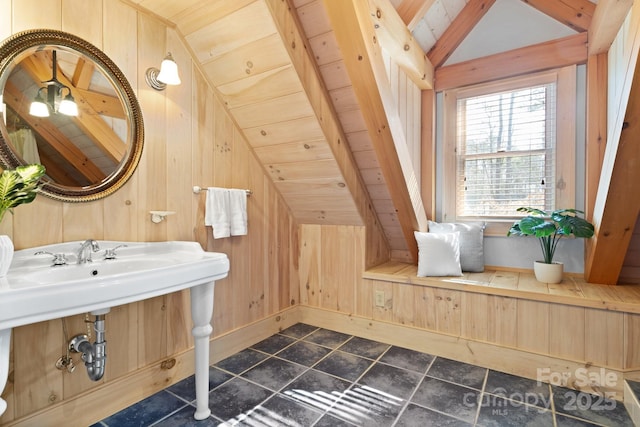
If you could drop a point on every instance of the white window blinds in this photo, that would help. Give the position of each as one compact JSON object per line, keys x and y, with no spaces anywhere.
{"x":505,"y":152}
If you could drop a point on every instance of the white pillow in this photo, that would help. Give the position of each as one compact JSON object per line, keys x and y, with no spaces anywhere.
{"x":438,"y":254}
{"x":471,"y":242}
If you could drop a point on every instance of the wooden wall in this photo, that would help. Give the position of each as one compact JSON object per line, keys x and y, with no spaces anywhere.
{"x":190,"y":140}
{"x":408,"y":98}
{"x":631,"y":268}
{"x":621,"y":65}
{"x":517,"y":335}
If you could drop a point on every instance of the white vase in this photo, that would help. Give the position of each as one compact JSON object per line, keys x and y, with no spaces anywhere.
{"x":548,"y":273}
{"x":6,"y":254}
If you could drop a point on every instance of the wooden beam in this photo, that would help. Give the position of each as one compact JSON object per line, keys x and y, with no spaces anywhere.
{"x":366,"y":68}
{"x":596,"y":127}
{"x":38,"y":66}
{"x":396,"y":39}
{"x":102,"y":104}
{"x":461,"y":26}
{"x":82,"y":74}
{"x":607,"y":20}
{"x":412,"y":11}
{"x":616,"y":207}
{"x":616,"y":217}
{"x":576,"y":14}
{"x":294,"y":42}
{"x":428,"y":153}
{"x":57,"y":173}
{"x":52,"y":135}
{"x":543,"y":56}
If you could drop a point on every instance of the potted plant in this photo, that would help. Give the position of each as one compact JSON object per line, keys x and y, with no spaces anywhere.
{"x":17,"y":186}
{"x":549,"y":228}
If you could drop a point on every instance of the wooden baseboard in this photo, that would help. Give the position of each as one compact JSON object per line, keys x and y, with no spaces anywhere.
{"x":113,"y":396}
{"x":116,"y":395}
{"x":566,"y":373}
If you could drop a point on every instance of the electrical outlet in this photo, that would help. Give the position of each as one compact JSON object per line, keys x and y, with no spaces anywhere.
{"x":379,"y":298}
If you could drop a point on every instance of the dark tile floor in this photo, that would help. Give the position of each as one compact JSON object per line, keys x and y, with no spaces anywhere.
{"x":308,"y":376}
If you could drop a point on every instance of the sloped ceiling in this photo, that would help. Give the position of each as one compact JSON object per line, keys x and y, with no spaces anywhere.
{"x":498,"y":31}
{"x":252,"y":55}
{"x":255,"y":54}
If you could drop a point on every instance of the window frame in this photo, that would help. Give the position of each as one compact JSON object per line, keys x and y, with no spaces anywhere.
{"x":566,"y":111}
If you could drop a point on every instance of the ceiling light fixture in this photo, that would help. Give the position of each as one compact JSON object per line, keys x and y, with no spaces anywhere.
{"x":49,"y":98}
{"x":167,"y":75}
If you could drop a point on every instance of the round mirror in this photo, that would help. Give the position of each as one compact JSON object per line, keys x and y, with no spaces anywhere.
{"x":66,"y":105}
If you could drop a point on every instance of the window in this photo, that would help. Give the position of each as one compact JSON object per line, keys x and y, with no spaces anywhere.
{"x":509,"y":144}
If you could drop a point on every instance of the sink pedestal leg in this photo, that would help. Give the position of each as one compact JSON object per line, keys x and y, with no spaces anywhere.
{"x":201,"y":312}
{"x":5,"y":337}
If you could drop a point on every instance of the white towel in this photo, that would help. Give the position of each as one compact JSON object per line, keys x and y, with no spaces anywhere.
{"x":216,"y":212}
{"x":25,"y":144}
{"x":238,"y":212}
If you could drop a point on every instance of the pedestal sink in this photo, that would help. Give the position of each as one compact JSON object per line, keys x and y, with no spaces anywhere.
{"x":35,"y":291}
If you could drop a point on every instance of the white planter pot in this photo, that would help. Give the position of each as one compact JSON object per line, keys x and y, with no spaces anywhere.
{"x":548,"y":273}
{"x":6,"y":254}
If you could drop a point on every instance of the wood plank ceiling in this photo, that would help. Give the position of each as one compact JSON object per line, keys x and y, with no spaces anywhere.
{"x":253,"y":54}
{"x":254,"y":57}
{"x":296,"y":110}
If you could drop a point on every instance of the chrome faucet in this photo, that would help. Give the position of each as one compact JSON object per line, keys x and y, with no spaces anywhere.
{"x":84,"y":254}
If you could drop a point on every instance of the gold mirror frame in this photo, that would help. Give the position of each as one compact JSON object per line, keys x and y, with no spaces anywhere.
{"x":17,"y":44}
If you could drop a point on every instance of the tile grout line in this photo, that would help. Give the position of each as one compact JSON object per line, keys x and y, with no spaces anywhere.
{"x":415,"y":390}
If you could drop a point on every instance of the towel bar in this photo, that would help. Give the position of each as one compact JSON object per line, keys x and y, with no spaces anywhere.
{"x":197,"y":189}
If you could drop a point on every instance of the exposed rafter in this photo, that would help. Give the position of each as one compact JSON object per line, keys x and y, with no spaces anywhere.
{"x":543,"y":56}
{"x":461,"y":26}
{"x":412,"y":11}
{"x":53,"y":136}
{"x":38,"y":66}
{"x":363,"y":58}
{"x":615,"y":224}
{"x":396,"y":39}
{"x":576,"y":14}
{"x":607,"y":19}
{"x":596,"y":126}
{"x":616,"y":210}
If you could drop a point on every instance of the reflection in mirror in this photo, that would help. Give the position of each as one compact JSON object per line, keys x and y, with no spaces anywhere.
{"x":87,"y":156}
{"x":71,"y":148}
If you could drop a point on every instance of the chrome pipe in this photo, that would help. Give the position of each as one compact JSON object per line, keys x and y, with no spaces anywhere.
{"x":94,"y":355}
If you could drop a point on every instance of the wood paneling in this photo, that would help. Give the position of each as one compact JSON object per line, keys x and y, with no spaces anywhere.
{"x":615,"y":212}
{"x":189,"y":140}
{"x":336,"y":79}
{"x":496,"y":319}
{"x":365,"y":64}
{"x":497,"y":357}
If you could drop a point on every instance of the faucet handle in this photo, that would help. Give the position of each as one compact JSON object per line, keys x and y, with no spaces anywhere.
{"x":58,"y":259}
{"x":111,"y":252}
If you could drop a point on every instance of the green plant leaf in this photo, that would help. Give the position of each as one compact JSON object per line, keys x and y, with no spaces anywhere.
{"x":549,"y":227}
{"x":19,"y":186}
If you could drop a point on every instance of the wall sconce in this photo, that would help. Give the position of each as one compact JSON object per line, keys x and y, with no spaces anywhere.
{"x":49,"y":98}
{"x":167,"y":75}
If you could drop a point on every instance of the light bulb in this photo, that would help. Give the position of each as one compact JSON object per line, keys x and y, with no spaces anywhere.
{"x":38,"y":107}
{"x":68,"y":106}
{"x":169,"y":71}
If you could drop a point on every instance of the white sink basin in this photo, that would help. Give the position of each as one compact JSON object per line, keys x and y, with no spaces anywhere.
{"x":34,"y":291}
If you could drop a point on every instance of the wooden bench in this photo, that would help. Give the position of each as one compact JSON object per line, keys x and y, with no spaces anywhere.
{"x":573,"y":290}
{"x":508,"y":321}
